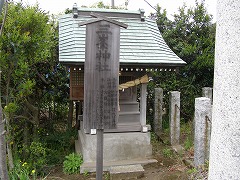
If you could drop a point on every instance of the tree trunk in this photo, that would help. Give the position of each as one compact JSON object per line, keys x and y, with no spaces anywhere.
{"x":9,"y":147}
{"x":3,"y":159}
{"x":36,"y":124}
{"x":3,"y":164}
{"x":25,"y":138}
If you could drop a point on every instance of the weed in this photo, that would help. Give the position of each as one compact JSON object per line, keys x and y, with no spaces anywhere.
{"x":167,"y":131}
{"x":107,"y":176}
{"x":192,"y":171}
{"x":72,"y":163}
{"x":153,"y":137}
{"x":186,"y":128}
{"x":207,"y":164}
{"x":85,"y":173}
{"x":167,"y":153}
{"x":188,"y":143}
{"x":21,"y":171}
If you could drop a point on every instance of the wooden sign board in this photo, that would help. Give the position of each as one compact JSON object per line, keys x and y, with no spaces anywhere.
{"x":101,"y":75}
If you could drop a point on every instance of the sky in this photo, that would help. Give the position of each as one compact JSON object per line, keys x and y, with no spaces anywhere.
{"x":58,"y":6}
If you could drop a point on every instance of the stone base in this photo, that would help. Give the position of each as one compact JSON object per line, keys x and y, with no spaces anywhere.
{"x":126,"y":172}
{"x":119,"y":148}
{"x":107,"y":166}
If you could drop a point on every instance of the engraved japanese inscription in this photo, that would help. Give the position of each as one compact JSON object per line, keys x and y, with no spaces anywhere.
{"x":101,"y":76}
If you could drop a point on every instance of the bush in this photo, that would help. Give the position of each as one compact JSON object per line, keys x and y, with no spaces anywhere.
{"x":72,"y":163}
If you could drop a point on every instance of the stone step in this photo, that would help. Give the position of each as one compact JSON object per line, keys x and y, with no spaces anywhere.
{"x":129,"y":117}
{"x":126,"y":172}
{"x":126,"y":127}
{"x":91,"y":166}
{"x":129,"y":106}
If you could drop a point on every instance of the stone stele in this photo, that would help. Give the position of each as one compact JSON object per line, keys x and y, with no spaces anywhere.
{"x":225,"y":137}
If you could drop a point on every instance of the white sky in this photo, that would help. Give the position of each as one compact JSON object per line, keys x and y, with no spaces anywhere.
{"x":58,"y":6}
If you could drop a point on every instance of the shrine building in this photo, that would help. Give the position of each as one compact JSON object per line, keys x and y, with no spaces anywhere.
{"x":142,"y":50}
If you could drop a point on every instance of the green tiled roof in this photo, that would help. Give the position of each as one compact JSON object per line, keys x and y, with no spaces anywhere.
{"x":141,"y":44}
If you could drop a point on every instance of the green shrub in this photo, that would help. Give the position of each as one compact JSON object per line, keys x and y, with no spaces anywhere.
{"x":37,"y":156}
{"x":72,"y":163}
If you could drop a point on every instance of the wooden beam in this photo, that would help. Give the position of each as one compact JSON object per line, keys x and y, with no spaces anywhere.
{"x":143,"y":104}
{"x":109,"y":20}
{"x":102,"y":18}
{"x":89,"y":22}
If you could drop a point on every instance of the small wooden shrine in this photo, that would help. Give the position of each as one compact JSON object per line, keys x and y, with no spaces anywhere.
{"x":142,"y":50}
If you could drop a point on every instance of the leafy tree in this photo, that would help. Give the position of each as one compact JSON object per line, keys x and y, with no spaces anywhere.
{"x":3,"y":155}
{"x":191,"y":35}
{"x":29,"y":62}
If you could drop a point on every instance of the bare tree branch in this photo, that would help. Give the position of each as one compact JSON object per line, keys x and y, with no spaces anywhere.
{"x":42,"y":78}
{"x":30,"y":106}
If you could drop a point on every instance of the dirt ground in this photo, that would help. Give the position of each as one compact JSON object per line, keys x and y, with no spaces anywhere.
{"x":170,"y":166}
{"x":163,"y":170}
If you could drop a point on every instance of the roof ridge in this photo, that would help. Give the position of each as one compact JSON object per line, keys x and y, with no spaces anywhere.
{"x":110,"y":10}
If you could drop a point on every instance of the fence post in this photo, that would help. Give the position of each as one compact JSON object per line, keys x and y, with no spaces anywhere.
{"x":174,"y":117}
{"x":207,"y":92}
{"x":202,"y":117}
{"x":158,"y":102}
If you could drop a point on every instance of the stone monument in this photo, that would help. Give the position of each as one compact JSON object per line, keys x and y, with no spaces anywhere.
{"x":225,"y":135}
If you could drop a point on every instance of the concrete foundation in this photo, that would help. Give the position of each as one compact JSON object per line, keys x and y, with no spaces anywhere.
{"x":118,"y":147}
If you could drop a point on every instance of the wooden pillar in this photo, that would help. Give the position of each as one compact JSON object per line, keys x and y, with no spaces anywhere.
{"x":143,"y":104}
{"x":99,"y":159}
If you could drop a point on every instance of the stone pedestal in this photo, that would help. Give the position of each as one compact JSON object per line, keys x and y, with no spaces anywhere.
{"x":225,"y":135}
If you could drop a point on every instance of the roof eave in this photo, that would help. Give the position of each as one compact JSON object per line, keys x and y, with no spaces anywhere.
{"x":133,"y":65}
